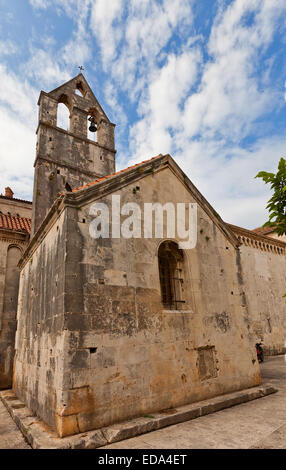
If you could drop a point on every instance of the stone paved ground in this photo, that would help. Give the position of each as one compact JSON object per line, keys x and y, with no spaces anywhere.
{"x":260,"y":423}
{"x":10,"y":436}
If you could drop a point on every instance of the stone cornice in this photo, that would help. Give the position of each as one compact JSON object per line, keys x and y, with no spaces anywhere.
{"x":261,"y":242}
{"x":14,"y":236}
{"x":13,"y":240}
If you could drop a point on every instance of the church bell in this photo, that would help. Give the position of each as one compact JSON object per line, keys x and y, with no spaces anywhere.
{"x":93,"y":126}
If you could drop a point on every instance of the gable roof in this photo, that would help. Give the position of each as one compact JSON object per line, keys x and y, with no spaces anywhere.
{"x":80,"y":77}
{"x":15,"y":223}
{"x":115,"y":181}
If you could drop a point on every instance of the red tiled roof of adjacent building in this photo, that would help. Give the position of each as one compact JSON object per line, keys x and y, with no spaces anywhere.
{"x":114,"y":174}
{"x":263,"y":230}
{"x":15,"y":223}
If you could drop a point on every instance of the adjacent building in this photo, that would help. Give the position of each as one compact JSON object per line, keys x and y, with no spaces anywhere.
{"x":15,"y":226}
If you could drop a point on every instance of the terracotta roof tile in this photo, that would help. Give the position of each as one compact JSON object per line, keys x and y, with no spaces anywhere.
{"x":263,"y":230}
{"x":15,"y":223}
{"x":114,"y":174}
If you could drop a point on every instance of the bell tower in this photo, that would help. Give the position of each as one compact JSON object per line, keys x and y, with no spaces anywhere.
{"x":71,"y":156}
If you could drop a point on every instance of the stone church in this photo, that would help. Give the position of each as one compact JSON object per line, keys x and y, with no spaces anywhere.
{"x":94,"y":331}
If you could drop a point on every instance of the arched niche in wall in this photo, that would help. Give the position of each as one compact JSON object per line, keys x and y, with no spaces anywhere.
{"x":11,"y":288}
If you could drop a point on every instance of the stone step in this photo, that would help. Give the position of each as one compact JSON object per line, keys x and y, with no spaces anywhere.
{"x":39,"y":436}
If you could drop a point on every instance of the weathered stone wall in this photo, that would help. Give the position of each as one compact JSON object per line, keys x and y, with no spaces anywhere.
{"x":130,"y":356}
{"x":40,"y":339}
{"x":64,"y":158}
{"x":264,"y":274}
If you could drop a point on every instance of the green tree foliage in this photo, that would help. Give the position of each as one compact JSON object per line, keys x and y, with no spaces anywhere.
{"x":277,"y":203}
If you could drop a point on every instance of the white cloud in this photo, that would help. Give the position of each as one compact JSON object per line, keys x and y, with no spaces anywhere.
{"x":226,"y":176}
{"x":118,"y":113}
{"x":18,"y":118}
{"x":203,"y":128}
{"x":17,"y":154}
{"x":41,"y":4}
{"x":50,"y":66}
{"x":161,"y":106}
{"x":104,"y":14}
{"x":19,"y":95}
{"x":78,"y":50}
{"x":8,"y":48}
{"x":129,"y":48}
{"x":43,"y":68}
{"x":230,"y":97}
{"x":71,"y":7}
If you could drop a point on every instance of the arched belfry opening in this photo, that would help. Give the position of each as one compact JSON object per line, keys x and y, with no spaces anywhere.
{"x":79,"y":90}
{"x":171,"y":272}
{"x":64,"y":113}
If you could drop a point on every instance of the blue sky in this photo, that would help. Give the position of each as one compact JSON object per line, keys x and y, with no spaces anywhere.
{"x":201,"y":80}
